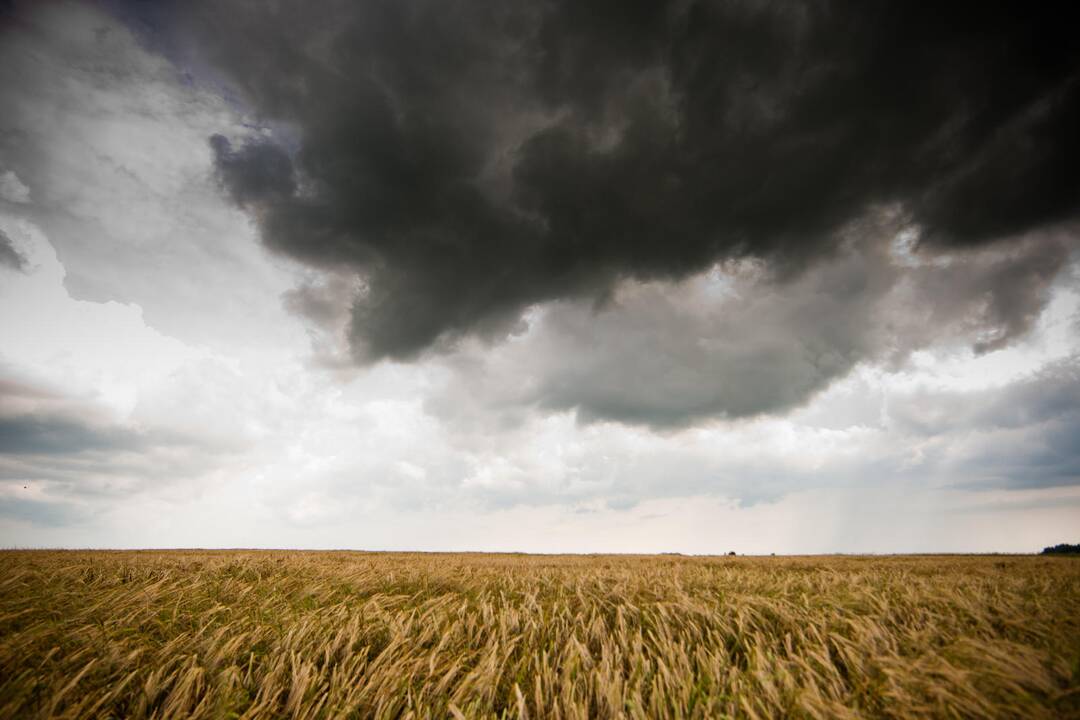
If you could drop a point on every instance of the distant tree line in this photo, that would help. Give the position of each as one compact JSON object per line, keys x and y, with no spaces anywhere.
{"x":1062,"y":549}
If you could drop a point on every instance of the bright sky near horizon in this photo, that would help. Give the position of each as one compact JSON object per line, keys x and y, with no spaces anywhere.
{"x":247,"y":300}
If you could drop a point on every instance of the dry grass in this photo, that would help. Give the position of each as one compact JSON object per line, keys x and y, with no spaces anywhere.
{"x":321,"y":635}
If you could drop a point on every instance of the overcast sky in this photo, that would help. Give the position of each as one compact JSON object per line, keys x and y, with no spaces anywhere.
{"x":541,"y":276}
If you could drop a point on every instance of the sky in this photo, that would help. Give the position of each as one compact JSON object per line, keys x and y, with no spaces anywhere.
{"x":692,"y":277}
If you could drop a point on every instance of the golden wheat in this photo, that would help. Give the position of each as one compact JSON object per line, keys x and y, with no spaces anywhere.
{"x":228,"y":634}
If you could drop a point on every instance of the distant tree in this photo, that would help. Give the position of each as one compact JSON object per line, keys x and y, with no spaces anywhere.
{"x":731,"y":553}
{"x":1062,"y":549}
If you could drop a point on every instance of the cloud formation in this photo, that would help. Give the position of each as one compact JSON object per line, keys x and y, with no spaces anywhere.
{"x":65,"y":458}
{"x":36,"y":435}
{"x":678,"y":277}
{"x":470,"y":164}
{"x":1023,"y":435}
{"x":12,"y":188}
{"x":9,"y":254}
{"x":736,"y":343}
{"x":103,"y":147}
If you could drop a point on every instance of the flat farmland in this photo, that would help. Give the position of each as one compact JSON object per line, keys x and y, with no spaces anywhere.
{"x":281,"y":634}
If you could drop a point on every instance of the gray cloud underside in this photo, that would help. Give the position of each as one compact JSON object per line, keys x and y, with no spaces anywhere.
{"x":50,"y":514}
{"x":734,"y":346}
{"x":1021,"y":436}
{"x":51,"y":435}
{"x":9,"y":254}
{"x":71,"y":449}
{"x":1026,"y":434}
{"x":471,"y":163}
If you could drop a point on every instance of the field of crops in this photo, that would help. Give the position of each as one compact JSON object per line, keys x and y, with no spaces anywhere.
{"x":337,"y":634}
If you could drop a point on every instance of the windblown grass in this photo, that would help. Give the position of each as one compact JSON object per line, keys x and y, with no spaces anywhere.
{"x":326,"y":635}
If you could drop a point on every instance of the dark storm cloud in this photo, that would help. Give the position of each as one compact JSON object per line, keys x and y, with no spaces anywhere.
{"x":9,"y":256}
{"x":471,"y":160}
{"x":257,"y":172}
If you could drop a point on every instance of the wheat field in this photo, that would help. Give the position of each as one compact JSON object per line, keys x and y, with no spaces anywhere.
{"x":269,"y":634}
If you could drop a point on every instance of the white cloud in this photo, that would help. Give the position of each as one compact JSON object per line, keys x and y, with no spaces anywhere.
{"x":114,"y":141}
{"x":101,"y":351}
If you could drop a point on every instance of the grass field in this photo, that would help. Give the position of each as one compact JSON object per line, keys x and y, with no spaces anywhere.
{"x":338,"y":634}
